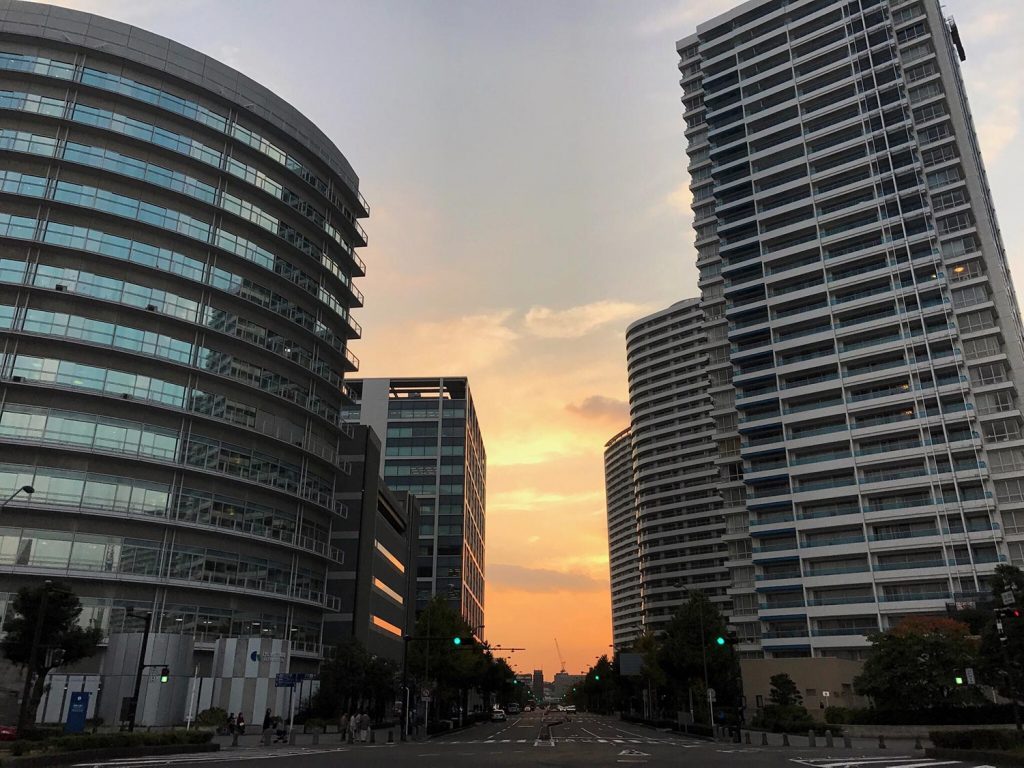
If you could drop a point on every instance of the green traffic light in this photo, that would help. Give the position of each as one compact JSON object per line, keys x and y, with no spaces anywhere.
{"x":959,"y":680}
{"x":597,"y":677}
{"x":720,"y":640}
{"x":457,"y":640}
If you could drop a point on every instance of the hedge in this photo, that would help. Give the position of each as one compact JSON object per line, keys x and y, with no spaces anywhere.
{"x":988,"y":714}
{"x":986,"y":739}
{"x":109,"y":740}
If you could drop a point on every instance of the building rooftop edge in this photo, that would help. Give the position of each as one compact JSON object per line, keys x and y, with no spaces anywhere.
{"x":683,"y":304}
{"x":108,"y":36}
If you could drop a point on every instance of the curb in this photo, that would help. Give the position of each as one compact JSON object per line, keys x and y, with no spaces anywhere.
{"x":107,"y":753}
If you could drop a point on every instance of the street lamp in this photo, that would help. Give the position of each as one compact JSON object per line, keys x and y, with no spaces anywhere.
{"x":26,"y":489}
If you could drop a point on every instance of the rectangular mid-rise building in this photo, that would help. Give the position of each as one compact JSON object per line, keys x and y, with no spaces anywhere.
{"x":433,"y":449}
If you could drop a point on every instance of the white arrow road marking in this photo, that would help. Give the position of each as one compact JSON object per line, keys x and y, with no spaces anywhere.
{"x":633,"y":753}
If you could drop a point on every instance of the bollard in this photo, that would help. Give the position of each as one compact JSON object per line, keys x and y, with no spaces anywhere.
{"x":291,"y":737}
{"x":373,"y":736}
{"x":828,"y":740}
{"x":785,"y":739}
{"x":234,"y":739}
{"x":266,"y":737}
{"x":391,"y":737}
{"x":811,"y":741}
{"x":746,"y":737}
{"x":881,"y":741}
{"x":351,"y":740}
{"x":846,"y":742}
{"x":316,"y":736}
{"x":764,"y":739}
{"x":917,"y":743}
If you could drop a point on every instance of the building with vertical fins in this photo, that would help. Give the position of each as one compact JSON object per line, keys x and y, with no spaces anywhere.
{"x":433,"y":449}
{"x":864,"y":340}
{"x":178,"y":258}
{"x":623,"y":546}
{"x":678,"y":510}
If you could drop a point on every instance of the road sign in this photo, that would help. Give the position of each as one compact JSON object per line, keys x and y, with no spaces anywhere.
{"x":288,"y":679}
{"x":969,"y":674}
{"x":826,"y":694}
{"x":1008,"y":597}
{"x":711,"y":694}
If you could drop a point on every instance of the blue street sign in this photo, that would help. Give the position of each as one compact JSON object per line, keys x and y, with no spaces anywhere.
{"x":77,"y":710}
{"x":289,"y":679}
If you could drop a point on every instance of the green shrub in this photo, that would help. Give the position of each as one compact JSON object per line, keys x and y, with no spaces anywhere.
{"x":789,"y":718}
{"x":837,"y":715}
{"x":75,"y":743}
{"x":988,"y":738}
{"x":215,"y":716}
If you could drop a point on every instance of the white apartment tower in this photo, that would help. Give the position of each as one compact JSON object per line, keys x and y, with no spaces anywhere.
{"x":623,"y":552}
{"x":678,"y":510}
{"x":863,"y":333}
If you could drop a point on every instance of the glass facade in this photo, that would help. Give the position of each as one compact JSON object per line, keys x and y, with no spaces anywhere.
{"x":176,"y":285}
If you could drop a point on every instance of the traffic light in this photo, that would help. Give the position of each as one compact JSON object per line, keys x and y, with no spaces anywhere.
{"x":463,"y":641}
{"x":959,"y":679}
{"x":720,"y":640}
{"x":729,"y":638}
{"x":165,"y":675}
{"x":597,"y":677}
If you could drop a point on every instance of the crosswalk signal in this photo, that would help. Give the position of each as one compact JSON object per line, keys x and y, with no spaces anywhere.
{"x":959,"y":680}
{"x":165,"y":675}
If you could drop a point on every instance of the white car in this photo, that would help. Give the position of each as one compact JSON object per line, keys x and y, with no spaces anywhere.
{"x":570,"y":708}
{"x":498,"y":715}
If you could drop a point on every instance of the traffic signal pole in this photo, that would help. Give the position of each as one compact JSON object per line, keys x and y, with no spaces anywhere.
{"x":138,"y":672}
{"x":1010,"y":678}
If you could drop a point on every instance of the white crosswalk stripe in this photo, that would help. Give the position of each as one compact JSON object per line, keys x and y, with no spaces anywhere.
{"x":225,"y":755}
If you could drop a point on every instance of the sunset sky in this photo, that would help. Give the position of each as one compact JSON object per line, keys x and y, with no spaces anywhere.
{"x":525,"y":165}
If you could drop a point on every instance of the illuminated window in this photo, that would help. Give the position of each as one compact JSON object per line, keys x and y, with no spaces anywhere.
{"x":387,"y":626}
{"x":388,"y":591}
{"x":391,"y":558}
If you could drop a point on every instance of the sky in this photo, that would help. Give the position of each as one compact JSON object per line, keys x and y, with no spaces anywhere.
{"x":525,"y":164}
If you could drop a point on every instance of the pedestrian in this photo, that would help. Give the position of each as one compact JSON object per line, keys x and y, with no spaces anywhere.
{"x":343,"y":724}
{"x":240,"y":723}
{"x":268,"y":720}
{"x":231,"y":724}
{"x":352,"y":722}
{"x":364,"y":727}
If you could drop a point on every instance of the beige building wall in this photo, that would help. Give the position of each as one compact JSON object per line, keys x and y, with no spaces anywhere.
{"x":813,"y":676}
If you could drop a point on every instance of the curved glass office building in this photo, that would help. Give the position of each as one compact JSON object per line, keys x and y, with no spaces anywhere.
{"x":177,"y":266}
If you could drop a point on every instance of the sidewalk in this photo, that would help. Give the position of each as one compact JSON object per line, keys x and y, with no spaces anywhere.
{"x":254,"y":739}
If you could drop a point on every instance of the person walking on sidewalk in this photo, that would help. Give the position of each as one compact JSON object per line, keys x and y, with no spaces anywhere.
{"x":353,"y":721}
{"x":240,"y":722}
{"x":268,"y":722}
{"x":343,"y":724}
{"x":364,"y":728}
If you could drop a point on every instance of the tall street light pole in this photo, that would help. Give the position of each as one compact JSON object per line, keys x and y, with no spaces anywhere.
{"x":26,"y":489}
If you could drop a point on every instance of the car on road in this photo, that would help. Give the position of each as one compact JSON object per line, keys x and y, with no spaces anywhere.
{"x":8,"y":733}
{"x":498,"y":715}
{"x":570,"y":707}
{"x":527,"y":708}
{"x":513,"y":709}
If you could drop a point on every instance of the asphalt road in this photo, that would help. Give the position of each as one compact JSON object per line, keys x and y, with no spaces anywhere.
{"x":576,"y":740}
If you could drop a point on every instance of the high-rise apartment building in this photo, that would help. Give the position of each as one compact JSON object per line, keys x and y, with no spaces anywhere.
{"x":177,"y":257}
{"x":863,"y":332}
{"x":433,"y":449}
{"x":679,"y":520}
{"x":623,"y":546}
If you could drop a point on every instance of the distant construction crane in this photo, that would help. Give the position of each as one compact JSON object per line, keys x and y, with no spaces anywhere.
{"x":560,"y":659}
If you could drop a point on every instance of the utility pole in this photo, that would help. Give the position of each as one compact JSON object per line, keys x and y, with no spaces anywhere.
{"x":138,"y":673}
{"x":33,"y":655}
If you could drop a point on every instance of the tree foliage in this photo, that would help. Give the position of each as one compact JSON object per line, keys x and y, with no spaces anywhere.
{"x":784,"y":692}
{"x":1007,"y":678}
{"x":355,"y":680}
{"x":59,"y":631}
{"x":914,"y":665}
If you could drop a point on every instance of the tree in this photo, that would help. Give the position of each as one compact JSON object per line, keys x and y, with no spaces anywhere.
{"x":786,"y":712}
{"x":688,"y":650}
{"x":354,"y":679}
{"x":1007,"y":678}
{"x":784,"y":692}
{"x":45,"y":639}
{"x":914,"y":665}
